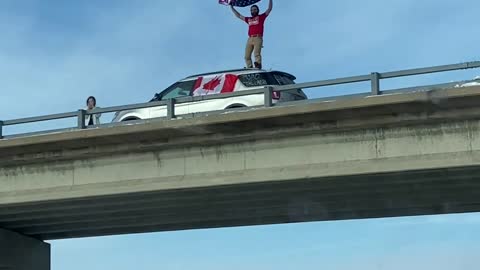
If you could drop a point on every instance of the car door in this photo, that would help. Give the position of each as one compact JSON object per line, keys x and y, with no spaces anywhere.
{"x":177,"y":90}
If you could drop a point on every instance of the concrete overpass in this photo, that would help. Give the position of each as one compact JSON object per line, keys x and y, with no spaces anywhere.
{"x":403,"y":154}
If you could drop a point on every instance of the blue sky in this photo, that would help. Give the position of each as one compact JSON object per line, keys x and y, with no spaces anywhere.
{"x":55,"y":53}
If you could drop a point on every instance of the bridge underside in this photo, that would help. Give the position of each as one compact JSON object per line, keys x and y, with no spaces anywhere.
{"x":425,"y":192}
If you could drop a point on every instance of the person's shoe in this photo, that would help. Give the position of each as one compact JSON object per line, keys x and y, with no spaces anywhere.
{"x":258,"y":65}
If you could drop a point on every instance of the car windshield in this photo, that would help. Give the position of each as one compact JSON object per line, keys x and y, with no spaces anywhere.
{"x":179,"y":89}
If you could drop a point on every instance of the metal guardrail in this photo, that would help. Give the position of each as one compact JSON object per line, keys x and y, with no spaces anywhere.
{"x":374,"y":78}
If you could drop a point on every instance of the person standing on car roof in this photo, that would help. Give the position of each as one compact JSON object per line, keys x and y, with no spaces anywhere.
{"x":255,"y":33}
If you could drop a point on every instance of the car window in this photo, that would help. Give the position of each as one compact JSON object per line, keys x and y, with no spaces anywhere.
{"x":257,"y":79}
{"x":265,"y":78}
{"x":273,"y":78}
{"x":283,"y":79}
{"x":180,"y":89}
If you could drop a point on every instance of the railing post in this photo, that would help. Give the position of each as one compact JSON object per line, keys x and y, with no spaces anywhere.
{"x":375,"y":79}
{"x":1,"y":129}
{"x":268,"y":94}
{"x":171,"y":108}
{"x":81,"y":119}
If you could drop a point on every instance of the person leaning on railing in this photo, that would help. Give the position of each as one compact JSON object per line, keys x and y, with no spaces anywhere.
{"x":92,"y":119}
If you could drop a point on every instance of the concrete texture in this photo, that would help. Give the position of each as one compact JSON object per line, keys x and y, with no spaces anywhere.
{"x":405,"y":154}
{"x":18,"y":252}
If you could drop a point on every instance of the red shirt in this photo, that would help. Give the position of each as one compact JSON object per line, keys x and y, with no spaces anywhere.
{"x":255,"y":24}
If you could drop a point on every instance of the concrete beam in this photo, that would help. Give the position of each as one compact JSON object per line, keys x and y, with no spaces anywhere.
{"x":332,"y":115}
{"x":18,"y":252}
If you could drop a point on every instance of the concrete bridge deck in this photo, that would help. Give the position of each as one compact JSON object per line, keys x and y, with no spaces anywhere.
{"x":381,"y":156}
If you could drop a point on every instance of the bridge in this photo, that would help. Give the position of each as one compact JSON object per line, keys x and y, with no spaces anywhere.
{"x":401,"y":153}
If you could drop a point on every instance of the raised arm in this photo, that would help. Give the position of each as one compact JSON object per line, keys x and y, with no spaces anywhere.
{"x":237,"y":13}
{"x":270,"y":6}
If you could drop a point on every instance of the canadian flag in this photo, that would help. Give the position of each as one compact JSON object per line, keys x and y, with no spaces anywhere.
{"x":210,"y":85}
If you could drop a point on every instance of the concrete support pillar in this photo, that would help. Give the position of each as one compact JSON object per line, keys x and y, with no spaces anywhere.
{"x":18,"y":252}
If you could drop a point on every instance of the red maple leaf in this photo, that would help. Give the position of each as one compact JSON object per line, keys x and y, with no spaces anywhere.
{"x":211,"y":85}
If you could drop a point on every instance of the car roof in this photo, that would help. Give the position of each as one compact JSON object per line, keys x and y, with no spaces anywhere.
{"x":236,"y":72}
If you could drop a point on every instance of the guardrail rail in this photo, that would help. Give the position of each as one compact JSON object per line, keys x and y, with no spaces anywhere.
{"x":374,"y":79}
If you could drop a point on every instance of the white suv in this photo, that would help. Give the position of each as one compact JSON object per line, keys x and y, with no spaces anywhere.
{"x":215,"y":83}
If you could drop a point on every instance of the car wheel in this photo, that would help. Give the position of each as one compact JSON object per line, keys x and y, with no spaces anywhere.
{"x":130,"y":119}
{"x":235,"y":106}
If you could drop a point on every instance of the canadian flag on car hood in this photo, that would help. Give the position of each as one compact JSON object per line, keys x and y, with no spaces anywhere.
{"x":210,"y":85}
